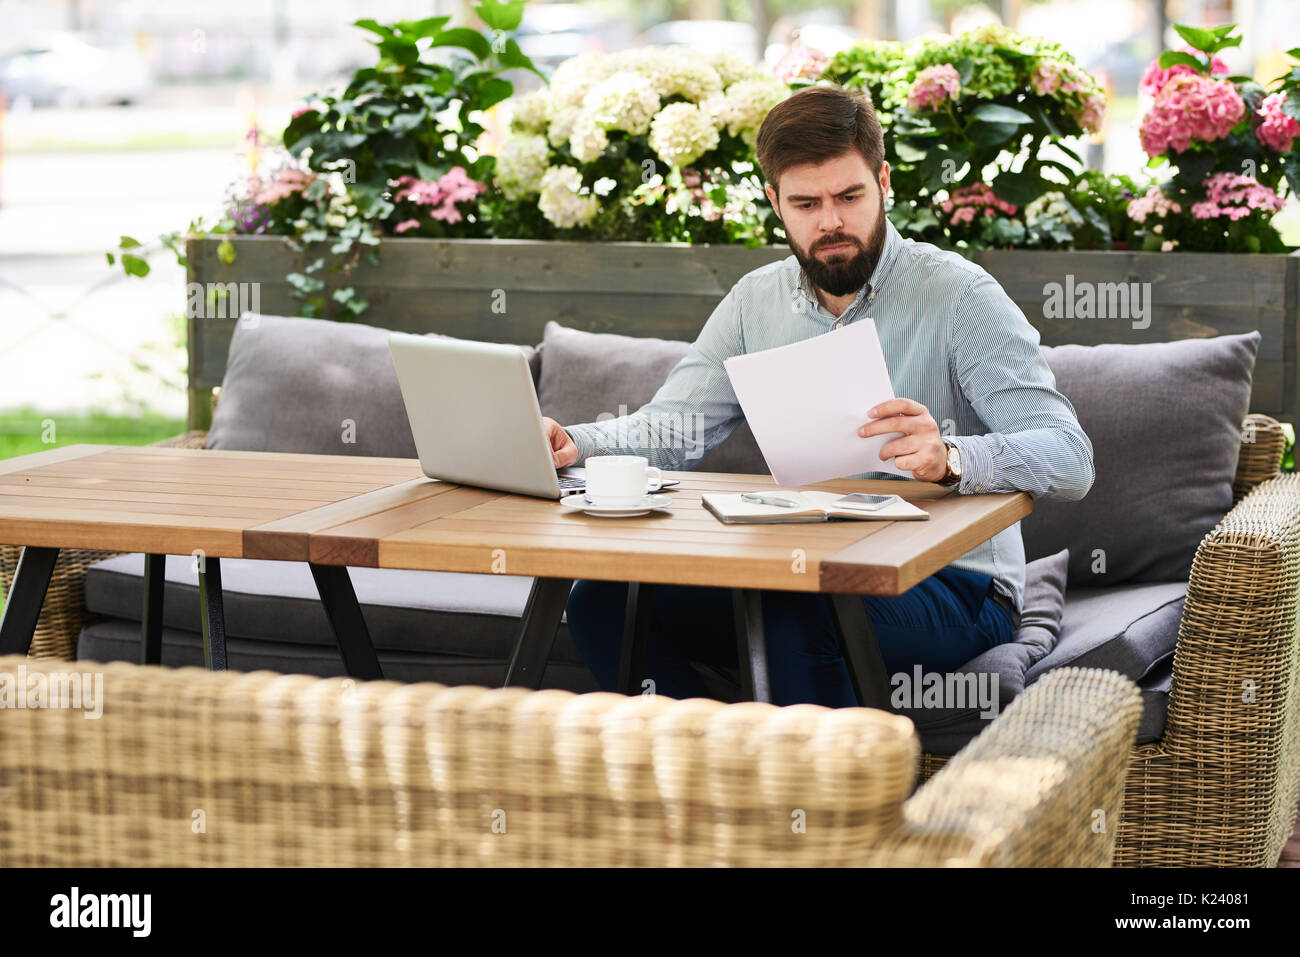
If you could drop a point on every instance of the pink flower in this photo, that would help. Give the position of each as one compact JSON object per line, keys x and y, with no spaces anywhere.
{"x":284,"y":183}
{"x":1277,"y":129}
{"x":977,"y":199}
{"x":1154,"y":79}
{"x":1058,"y":76}
{"x":1190,"y":107}
{"x":299,"y":112}
{"x":405,"y":225}
{"x":1235,"y":196}
{"x":932,"y":86}
{"x":801,"y":63}
{"x":452,"y":187}
{"x":1153,"y":203}
{"x":1093,"y":113}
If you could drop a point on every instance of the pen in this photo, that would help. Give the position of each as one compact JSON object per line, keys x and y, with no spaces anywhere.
{"x":768,"y":500}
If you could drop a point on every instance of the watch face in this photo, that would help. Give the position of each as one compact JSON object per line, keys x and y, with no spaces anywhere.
{"x":954,"y":461}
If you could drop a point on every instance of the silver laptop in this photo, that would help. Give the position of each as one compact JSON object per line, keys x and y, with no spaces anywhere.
{"x":474,"y":414}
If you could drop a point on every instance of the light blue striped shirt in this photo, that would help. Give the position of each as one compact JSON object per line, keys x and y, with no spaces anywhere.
{"x":952,"y":340}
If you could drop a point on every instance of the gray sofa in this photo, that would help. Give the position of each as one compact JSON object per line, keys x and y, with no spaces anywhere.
{"x":1107,"y":576}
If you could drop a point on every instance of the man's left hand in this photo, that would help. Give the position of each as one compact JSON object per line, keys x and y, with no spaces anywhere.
{"x":920,"y":449}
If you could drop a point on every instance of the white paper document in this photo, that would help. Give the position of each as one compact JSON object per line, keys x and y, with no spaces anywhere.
{"x":806,"y":401}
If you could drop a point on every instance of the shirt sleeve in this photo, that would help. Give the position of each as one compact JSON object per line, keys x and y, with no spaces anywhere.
{"x":693,"y":411}
{"x":1034,"y":443}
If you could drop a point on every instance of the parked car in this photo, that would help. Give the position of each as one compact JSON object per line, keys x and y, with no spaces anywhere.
{"x":66,"y":70}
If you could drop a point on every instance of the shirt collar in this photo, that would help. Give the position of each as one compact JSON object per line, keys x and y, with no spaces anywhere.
{"x":893,"y":242}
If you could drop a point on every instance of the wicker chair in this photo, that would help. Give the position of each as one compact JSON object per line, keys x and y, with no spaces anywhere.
{"x":1220,"y":788}
{"x":192,"y":768}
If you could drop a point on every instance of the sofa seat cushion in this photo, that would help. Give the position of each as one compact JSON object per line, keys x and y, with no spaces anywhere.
{"x":311,"y":385}
{"x":116,"y":639}
{"x":1131,"y":629}
{"x":1165,"y":423}
{"x":588,"y":377}
{"x":444,"y":613}
{"x":1127,"y":628}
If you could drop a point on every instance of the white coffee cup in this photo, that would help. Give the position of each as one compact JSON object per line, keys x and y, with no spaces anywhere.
{"x":621,"y":480}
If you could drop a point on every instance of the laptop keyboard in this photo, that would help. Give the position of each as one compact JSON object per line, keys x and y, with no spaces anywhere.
{"x":570,"y":481}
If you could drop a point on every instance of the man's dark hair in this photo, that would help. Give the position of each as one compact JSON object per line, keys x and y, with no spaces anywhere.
{"x":816,"y":124}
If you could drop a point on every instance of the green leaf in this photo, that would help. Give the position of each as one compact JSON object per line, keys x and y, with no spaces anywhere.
{"x":374,"y":27}
{"x":500,"y":16}
{"x":1294,"y":53}
{"x":997,"y":113}
{"x":466,"y":39}
{"x":401,"y":51}
{"x":1179,"y":58}
{"x":511,"y":57}
{"x":992,"y":134}
{"x":422,"y":28}
{"x":1291,"y":167}
{"x":111,"y":260}
{"x":134,"y":265}
{"x":1204,"y":40}
{"x":126,"y":242}
{"x":1008,"y":232}
{"x":492,"y":91}
{"x":1021,"y":188}
{"x":225,"y":251}
{"x":965,"y":69}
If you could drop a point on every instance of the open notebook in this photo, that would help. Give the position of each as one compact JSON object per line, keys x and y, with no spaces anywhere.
{"x":817,"y":507}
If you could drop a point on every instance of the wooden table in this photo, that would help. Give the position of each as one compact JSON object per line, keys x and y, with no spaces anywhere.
{"x":336,"y":511}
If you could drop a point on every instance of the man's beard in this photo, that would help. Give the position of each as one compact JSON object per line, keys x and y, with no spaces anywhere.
{"x":845,"y":272}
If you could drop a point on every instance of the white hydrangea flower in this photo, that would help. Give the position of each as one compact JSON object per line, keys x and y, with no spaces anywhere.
{"x":747,"y":102}
{"x":521,"y":165}
{"x":531,"y":112}
{"x":573,"y":78}
{"x":560,"y":201}
{"x":624,"y":101}
{"x":732,"y":68}
{"x":588,"y":139}
{"x":675,"y":71}
{"x":563,"y":120}
{"x":681,"y":133}
{"x":1050,"y":205}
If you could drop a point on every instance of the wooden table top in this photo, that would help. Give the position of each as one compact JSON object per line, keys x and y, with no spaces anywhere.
{"x":352,"y":510}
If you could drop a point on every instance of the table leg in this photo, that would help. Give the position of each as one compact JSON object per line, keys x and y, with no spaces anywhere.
{"x":152,"y":611}
{"x":861,"y":651}
{"x":25,"y":598}
{"x":636,"y":625}
{"x":344,"y":613}
{"x":541,"y":619}
{"x":751,"y":646}
{"x":213,"y":613}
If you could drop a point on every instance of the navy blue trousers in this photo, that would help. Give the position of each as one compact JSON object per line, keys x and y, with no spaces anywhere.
{"x":941,"y":623}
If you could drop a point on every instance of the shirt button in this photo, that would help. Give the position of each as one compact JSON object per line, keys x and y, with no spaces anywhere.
{"x":979,"y":488}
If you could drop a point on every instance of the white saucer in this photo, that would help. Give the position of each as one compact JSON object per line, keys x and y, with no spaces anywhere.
{"x":578,"y":503}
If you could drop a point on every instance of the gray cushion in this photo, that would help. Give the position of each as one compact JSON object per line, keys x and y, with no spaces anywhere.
{"x":1165,"y":421}
{"x":294,"y":385}
{"x":587,"y":375}
{"x":1129,"y":629}
{"x":115,"y":639}
{"x":946,"y":730}
{"x":441,"y":613}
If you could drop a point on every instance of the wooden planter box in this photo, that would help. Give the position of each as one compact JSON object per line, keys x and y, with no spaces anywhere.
{"x":506,"y":290}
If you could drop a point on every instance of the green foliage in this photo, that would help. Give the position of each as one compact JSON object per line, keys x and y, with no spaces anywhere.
{"x":1017,"y":98}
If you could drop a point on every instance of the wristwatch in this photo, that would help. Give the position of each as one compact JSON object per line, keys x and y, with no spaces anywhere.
{"x":952,"y":474}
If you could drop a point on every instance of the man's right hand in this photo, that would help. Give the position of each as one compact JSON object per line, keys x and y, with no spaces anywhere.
{"x":563,"y":451}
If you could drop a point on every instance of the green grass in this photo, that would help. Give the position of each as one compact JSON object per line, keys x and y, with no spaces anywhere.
{"x":29,"y":430}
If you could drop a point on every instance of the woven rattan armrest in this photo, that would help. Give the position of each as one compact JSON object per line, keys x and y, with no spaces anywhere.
{"x":1041,"y":786}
